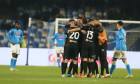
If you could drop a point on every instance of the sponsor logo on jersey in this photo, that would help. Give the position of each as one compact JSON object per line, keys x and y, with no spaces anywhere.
{"x":17,"y":33}
{"x":61,"y":37}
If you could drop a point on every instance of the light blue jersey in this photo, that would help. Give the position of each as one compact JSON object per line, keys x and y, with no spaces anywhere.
{"x":120,"y":40}
{"x":60,"y":38}
{"x":15,"y":36}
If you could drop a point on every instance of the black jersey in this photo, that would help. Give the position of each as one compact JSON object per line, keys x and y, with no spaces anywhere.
{"x":90,"y":36}
{"x":66,"y":39}
{"x":73,"y":37}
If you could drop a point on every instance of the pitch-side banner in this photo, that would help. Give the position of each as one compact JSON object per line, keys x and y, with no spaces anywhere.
{"x":46,"y":57}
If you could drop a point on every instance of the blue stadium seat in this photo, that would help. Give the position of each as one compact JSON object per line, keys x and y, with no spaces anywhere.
{"x":1,"y":37}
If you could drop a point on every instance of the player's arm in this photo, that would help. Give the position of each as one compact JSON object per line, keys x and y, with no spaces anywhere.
{"x":121,"y":37}
{"x":83,"y":30}
{"x":73,"y":30}
{"x":53,"y":39}
{"x":8,"y":36}
{"x":22,"y":37}
{"x":101,"y":38}
{"x":98,"y":29}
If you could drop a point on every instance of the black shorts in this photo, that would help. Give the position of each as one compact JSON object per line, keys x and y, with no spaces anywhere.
{"x":97,"y":51}
{"x":88,"y":51}
{"x":72,"y":52}
{"x":103,"y":51}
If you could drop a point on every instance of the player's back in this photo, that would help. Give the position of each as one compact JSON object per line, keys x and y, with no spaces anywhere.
{"x":121,"y":40}
{"x":73,"y":37}
{"x":90,"y":36}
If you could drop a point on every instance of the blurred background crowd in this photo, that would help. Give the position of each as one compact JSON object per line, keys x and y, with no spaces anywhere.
{"x":44,"y":13}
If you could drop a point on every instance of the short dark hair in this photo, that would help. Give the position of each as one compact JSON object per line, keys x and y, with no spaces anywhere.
{"x":79,"y":17}
{"x":60,"y":28}
{"x":71,"y":20}
{"x":85,"y":21}
{"x":17,"y":22}
{"x":120,"y":23}
{"x":96,"y":18}
{"x":91,"y":19}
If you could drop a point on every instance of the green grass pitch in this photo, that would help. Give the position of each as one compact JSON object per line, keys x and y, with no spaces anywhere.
{"x":52,"y":75}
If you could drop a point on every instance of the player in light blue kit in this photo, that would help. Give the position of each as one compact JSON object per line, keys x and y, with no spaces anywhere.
{"x":60,"y":39}
{"x":15,"y":37}
{"x":121,"y":49}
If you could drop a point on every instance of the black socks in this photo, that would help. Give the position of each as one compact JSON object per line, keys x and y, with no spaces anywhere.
{"x":81,"y":69}
{"x":70,"y":68}
{"x":85,"y":67}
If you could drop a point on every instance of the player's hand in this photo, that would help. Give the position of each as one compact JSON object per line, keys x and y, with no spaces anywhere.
{"x":83,"y":31}
{"x":19,"y":43}
{"x":103,"y":37}
{"x":12,"y":43}
{"x":56,"y":44}
{"x":100,"y":24}
{"x":109,"y":43}
{"x":68,"y":31}
{"x":122,"y":52}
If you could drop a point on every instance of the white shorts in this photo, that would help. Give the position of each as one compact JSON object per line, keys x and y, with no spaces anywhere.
{"x":15,"y":49}
{"x":118,"y":54}
{"x":59,"y":50}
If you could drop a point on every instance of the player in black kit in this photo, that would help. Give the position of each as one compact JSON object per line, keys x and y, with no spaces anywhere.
{"x":71,"y":21}
{"x":72,"y":49}
{"x":88,"y":46}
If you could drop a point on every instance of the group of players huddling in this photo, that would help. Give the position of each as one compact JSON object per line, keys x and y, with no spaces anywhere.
{"x":84,"y":38}
{"x":87,"y":37}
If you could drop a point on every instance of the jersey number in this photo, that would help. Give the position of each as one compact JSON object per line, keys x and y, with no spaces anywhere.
{"x":74,"y":35}
{"x":90,"y":34}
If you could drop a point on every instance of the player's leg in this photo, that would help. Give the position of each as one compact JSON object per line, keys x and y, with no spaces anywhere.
{"x":71,"y":64}
{"x":58,"y":60}
{"x":95,"y":63}
{"x":113,"y":65}
{"x":81,"y":65}
{"x":85,"y":57}
{"x":75,"y":60}
{"x":127,"y":65}
{"x":68,"y":54}
{"x":89,"y":68}
{"x":70,"y":68}
{"x":103,"y":60}
{"x":77,"y":70}
{"x":115,"y":57}
{"x":15,"y":52}
{"x":74,"y":67}
{"x":85,"y":66}
{"x":58,"y":51}
{"x":92,"y":56}
{"x":13,"y":49}
{"x":12,"y":64}
{"x":16,"y":56}
{"x":96,"y":68}
{"x":64,"y":56}
{"x":92,"y":67}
